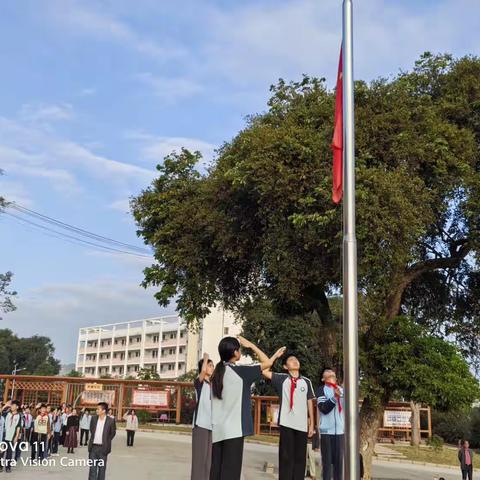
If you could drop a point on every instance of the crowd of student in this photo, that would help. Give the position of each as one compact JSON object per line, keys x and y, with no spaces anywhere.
{"x":223,"y":416}
{"x":42,"y":429}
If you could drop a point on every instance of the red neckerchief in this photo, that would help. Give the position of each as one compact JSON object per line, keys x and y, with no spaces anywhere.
{"x":335,"y":386}
{"x":293,"y":386}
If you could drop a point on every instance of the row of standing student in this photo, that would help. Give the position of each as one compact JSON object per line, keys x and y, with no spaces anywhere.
{"x":223,"y":416}
{"x":42,"y":427}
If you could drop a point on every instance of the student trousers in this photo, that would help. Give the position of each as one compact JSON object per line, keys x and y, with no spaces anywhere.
{"x":227,"y":458}
{"x":201,"y":453}
{"x":292,"y":454}
{"x":130,"y":437}
{"x":467,"y":473}
{"x":331,"y":447}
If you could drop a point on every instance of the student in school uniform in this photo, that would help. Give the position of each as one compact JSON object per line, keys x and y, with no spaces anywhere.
{"x":42,"y":432}
{"x":202,"y":422}
{"x":66,"y":411}
{"x":28,"y":423}
{"x":295,"y":418}
{"x":57,"y":429}
{"x":131,"y":426}
{"x":85,"y":420}
{"x":13,"y":429}
{"x":231,"y":405}
{"x":331,"y":408}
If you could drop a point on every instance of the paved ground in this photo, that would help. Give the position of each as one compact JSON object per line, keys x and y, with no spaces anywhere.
{"x":167,"y":456}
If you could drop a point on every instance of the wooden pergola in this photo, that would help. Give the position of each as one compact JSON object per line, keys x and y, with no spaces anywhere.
{"x":119,"y":394}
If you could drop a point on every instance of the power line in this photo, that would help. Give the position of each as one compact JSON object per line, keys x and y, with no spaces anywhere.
{"x":76,"y":230}
{"x":71,"y":238}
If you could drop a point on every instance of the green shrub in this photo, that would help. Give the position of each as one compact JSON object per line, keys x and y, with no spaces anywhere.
{"x":436,"y":442}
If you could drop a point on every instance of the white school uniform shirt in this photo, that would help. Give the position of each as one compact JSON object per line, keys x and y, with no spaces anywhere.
{"x":65,"y":419}
{"x":232,"y":415}
{"x":28,"y":420}
{"x":202,"y":416}
{"x":132,"y":422}
{"x":85,"y":422}
{"x":12,"y":422}
{"x":297,"y":417}
{"x":98,"y":439}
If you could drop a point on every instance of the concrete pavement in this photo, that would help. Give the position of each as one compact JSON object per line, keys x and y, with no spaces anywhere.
{"x":167,"y":456}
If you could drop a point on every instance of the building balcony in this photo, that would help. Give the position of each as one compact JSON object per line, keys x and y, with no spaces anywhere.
{"x":168,"y":358}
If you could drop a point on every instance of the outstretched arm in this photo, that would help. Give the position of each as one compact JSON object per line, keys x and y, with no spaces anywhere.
{"x":203,"y":373}
{"x":265,"y":362}
{"x":267,"y":374}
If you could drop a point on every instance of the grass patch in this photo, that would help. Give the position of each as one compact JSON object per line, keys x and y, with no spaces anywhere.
{"x":443,"y":456}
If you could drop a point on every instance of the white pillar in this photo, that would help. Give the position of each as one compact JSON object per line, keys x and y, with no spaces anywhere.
{"x":127,"y":342}
{"x":160,"y":340}
{"x":178,"y":349}
{"x":142,"y":351}
{"x":111,"y":350}
{"x":98,"y":351}
{"x":85,"y":350}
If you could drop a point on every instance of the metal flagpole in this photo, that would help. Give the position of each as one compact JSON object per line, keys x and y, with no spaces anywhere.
{"x":350,"y":314}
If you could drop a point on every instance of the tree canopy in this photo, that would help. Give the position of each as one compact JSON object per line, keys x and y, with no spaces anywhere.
{"x":33,"y":355}
{"x":260,"y":223}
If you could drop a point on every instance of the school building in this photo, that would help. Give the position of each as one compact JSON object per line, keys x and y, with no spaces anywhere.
{"x":162,"y":344}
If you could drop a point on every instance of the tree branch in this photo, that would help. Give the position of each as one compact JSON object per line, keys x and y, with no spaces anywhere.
{"x":417,"y":269}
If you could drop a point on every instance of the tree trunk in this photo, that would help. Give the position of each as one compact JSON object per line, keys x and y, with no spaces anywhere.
{"x":415,"y":420}
{"x":370,"y":417}
{"x":329,"y":337}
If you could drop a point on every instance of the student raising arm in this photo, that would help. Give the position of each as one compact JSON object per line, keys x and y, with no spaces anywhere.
{"x":231,"y":405}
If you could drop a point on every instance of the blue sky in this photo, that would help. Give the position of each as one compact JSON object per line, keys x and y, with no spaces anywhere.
{"x":95,"y":93}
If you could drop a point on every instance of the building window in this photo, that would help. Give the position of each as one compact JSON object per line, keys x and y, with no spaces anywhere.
{"x":155,"y":338}
{"x":154,"y":353}
{"x":225,"y":331}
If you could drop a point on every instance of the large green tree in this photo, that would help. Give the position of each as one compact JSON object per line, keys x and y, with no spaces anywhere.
{"x":260,"y":223}
{"x":33,"y":355}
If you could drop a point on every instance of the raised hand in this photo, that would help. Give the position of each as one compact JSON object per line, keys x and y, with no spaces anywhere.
{"x":279,"y":353}
{"x":244,"y":342}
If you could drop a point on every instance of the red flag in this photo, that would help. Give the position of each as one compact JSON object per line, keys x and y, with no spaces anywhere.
{"x":337,"y":142}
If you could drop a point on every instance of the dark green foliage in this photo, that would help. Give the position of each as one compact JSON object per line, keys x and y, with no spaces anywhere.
{"x":260,"y":225}
{"x":34,"y":354}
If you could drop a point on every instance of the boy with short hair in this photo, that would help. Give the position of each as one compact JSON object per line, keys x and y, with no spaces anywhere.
{"x":202,"y":422}
{"x":332,"y":420}
{"x":13,"y":428}
{"x":295,"y":417}
{"x":42,"y":431}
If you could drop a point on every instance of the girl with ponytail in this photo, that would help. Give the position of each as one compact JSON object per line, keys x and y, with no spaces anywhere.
{"x":231,"y":405}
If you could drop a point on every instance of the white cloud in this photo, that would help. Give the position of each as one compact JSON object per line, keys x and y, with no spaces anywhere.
{"x":27,"y":150}
{"x":26,"y":164}
{"x":42,"y":112}
{"x":92,"y":20}
{"x":59,"y":310}
{"x":87,"y":92}
{"x":15,"y":192}
{"x":255,"y":43}
{"x":170,"y":89}
{"x":154,"y":148}
{"x":121,"y":205}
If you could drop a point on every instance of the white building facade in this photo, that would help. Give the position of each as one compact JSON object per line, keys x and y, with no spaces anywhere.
{"x":162,"y":344}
